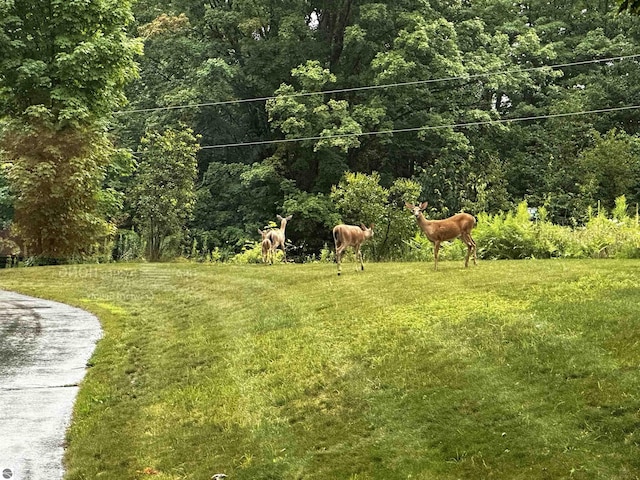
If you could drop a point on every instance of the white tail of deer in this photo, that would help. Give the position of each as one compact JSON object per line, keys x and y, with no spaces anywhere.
{"x":350,"y":236}
{"x":266,"y":247}
{"x":277,"y":237}
{"x":438,"y":231}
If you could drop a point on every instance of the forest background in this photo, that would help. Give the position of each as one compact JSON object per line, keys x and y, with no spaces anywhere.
{"x":482,"y":105}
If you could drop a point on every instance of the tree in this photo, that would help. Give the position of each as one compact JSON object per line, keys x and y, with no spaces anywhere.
{"x":65,"y":62}
{"x":6,"y":201}
{"x":314,"y":164}
{"x":493,"y":55}
{"x":610,"y":168}
{"x":314,"y":216}
{"x":361,"y":199}
{"x":631,"y":6}
{"x":164,"y":191}
{"x":63,"y":66}
{"x":56,"y":178}
{"x":233,"y":200}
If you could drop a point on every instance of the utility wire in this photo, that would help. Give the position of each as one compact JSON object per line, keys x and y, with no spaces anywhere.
{"x":372,"y":87}
{"x":418,"y":129}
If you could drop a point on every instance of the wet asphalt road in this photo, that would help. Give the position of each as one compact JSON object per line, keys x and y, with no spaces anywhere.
{"x":44,"y":348}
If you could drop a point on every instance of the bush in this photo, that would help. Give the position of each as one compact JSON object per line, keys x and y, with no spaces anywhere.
{"x":361,"y":199}
{"x":252,"y":253}
{"x":421,"y":249}
{"x":515,"y":235}
{"x":528,"y":233}
{"x":128,"y":246}
{"x":615,"y":237}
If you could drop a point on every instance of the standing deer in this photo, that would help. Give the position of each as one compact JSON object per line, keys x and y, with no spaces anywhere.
{"x":277,"y":238}
{"x":438,"y":231}
{"x":350,"y":236}
{"x":266,"y":247}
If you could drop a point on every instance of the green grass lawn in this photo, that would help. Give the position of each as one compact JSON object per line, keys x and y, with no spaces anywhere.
{"x":509,"y":370}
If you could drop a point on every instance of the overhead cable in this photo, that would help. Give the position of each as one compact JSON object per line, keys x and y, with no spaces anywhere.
{"x":424,"y":128}
{"x":373,"y":87}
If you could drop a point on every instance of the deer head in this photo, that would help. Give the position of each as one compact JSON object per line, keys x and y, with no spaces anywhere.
{"x":416,"y":210}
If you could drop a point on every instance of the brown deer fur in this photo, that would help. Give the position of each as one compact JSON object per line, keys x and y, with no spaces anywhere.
{"x":350,"y":236}
{"x":438,"y":231}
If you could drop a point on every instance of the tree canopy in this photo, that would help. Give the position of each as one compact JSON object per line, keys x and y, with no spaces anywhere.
{"x":481,"y":104}
{"x":63,"y":67}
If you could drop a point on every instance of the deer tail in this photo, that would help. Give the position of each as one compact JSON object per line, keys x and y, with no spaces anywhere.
{"x":336,"y":236}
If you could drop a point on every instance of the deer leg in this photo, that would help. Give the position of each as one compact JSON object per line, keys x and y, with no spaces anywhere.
{"x":339,"y":251}
{"x":465,"y":239}
{"x":471,"y":247}
{"x":466,"y":260}
{"x":359,"y":257}
{"x":436,"y":249}
{"x":475,"y":255}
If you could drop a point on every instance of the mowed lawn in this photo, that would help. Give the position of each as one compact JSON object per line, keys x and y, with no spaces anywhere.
{"x":507,"y":370}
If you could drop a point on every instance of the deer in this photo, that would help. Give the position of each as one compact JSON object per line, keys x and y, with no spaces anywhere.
{"x":277,"y":238}
{"x":438,"y":231}
{"x":266,"y":247}
{"x":350,"y":236}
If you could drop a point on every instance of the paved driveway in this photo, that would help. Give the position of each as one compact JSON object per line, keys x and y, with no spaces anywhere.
{"x":44,"y":348}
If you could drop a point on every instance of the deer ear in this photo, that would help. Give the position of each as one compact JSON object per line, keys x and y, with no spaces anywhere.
{"x":260,"y":231}
{"x":289,"y":217}
{"x":408,"y":205}
{"x":372,"y":225}
{"x":423,"y":205}
{"x":363,"y":226}
{"x":279,"y":217}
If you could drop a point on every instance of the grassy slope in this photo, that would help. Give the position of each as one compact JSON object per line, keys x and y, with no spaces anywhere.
{"x":518,"y":370}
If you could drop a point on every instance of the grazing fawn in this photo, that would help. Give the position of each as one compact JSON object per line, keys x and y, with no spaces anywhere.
{"x":277,"y":238}
{"x":438,"y":231}
{"x":350,"y":236}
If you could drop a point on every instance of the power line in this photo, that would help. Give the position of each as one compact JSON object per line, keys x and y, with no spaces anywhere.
{"x":373,"y":87}
{"x":418,"y":129}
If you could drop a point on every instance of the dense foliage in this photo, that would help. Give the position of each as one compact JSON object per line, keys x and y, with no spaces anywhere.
{"x":63,"y":67}
{"x":521,"y":233}
{"x":56,"y":177}
{"x":528,"y":233}
{"x":481,"y":105}
{"x":436,"y":64}
{"x":163,"y":193}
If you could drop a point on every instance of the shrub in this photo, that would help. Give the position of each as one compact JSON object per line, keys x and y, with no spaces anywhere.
{"x":506,"y":236}
{"x":615,"y":237}
{"x":252,"y":253}
{"x":528,"y":233}
{"x":515,"y":235}
{"x":361,"y":199}
{"x":128,"y":246}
